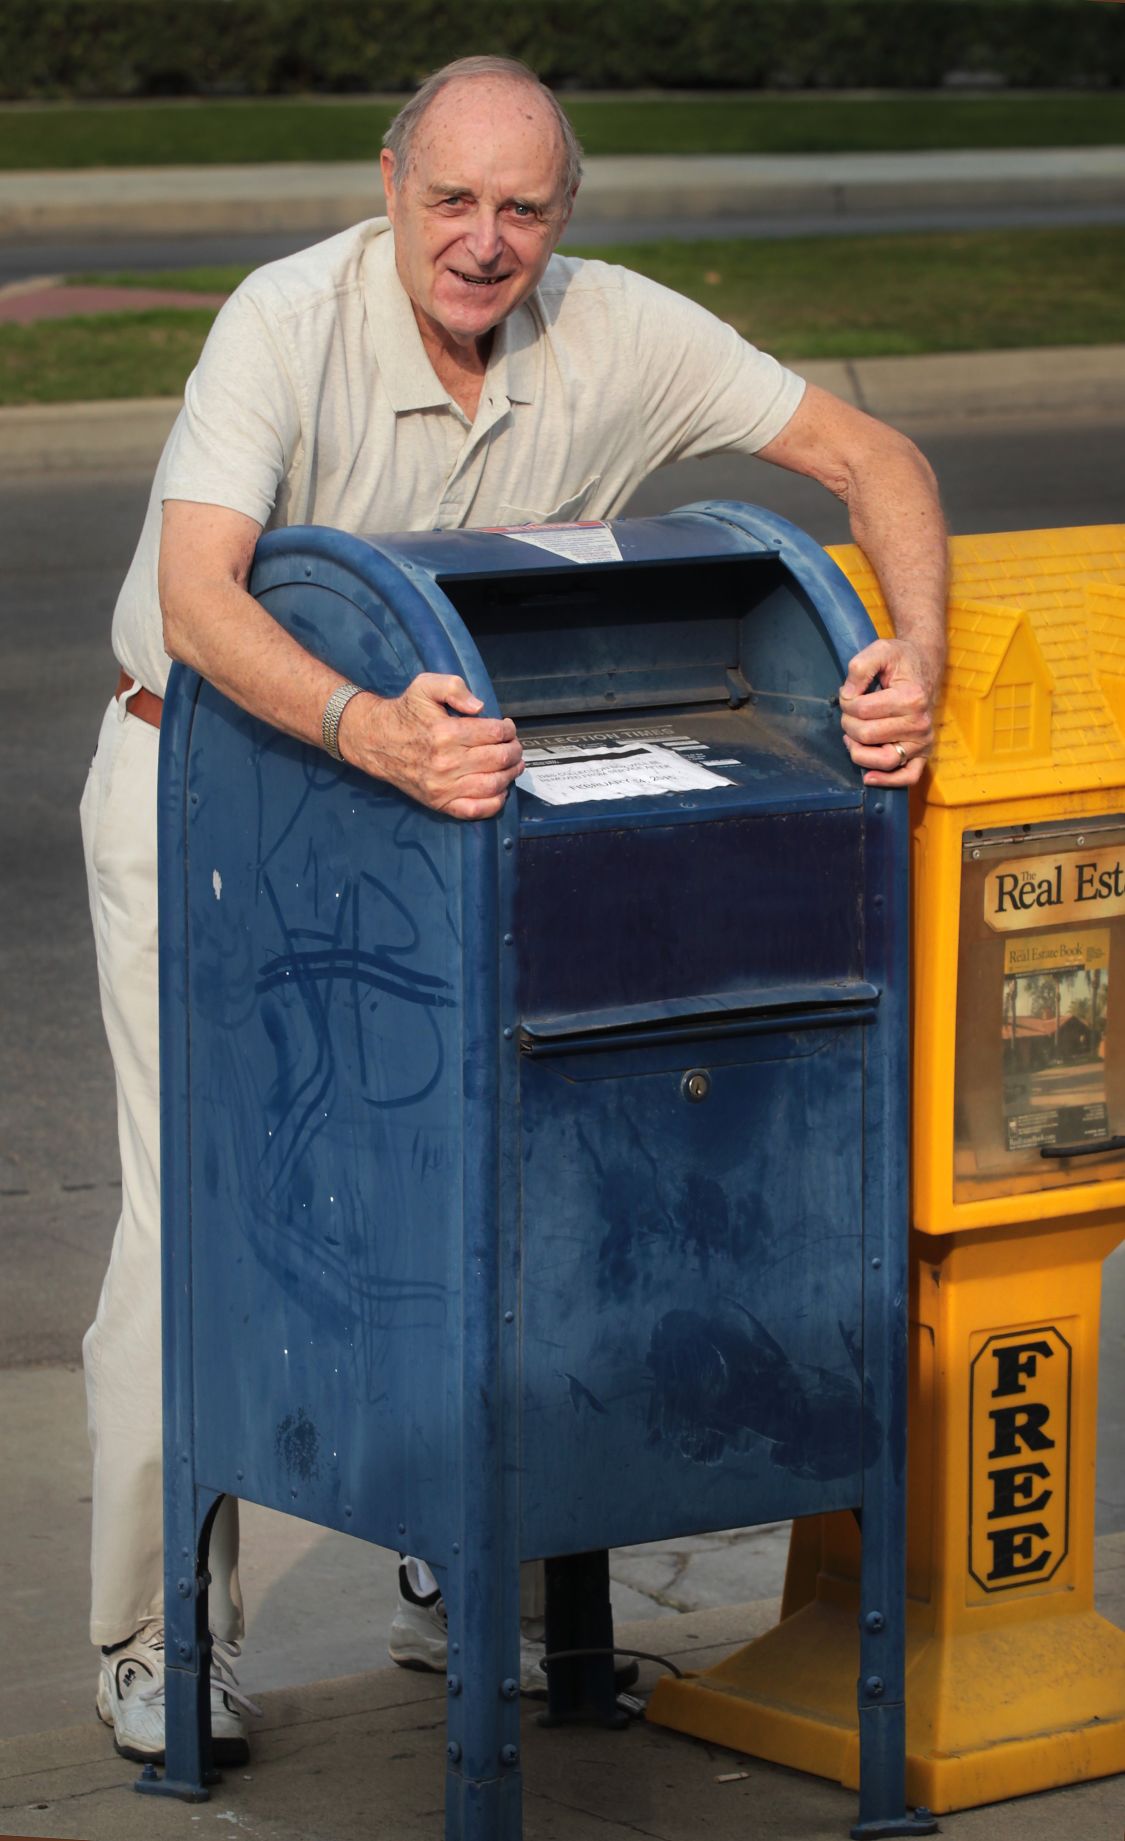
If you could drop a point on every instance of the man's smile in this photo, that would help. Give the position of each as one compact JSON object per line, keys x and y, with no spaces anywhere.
{"x":479,"y":281}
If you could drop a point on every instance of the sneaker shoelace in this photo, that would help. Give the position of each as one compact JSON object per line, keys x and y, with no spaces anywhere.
{"x":221,"y":1671}
{"x":222,"y":1674}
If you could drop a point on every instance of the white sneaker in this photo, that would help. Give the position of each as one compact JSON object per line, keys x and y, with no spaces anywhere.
{"x":418,"y":1637}
{"x":131,"y":1699}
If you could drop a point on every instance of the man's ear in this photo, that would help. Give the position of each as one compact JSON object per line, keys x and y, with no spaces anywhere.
{"x":387,"y":168}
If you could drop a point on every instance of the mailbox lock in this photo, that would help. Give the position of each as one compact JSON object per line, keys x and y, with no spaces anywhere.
{"x":695,"y":1085}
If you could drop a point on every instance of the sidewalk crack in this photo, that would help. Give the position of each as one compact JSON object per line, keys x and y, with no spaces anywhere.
{"x":615,"y":1822}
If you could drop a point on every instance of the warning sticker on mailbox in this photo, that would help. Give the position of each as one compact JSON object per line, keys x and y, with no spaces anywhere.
{"x":578,"y":543}
{"x":622,"y":771}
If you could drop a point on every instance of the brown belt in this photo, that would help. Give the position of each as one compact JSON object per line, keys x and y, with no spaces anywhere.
{"x":142,"y":703}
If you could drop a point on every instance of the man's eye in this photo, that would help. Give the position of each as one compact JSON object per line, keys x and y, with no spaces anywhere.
{"x":523,"y":211}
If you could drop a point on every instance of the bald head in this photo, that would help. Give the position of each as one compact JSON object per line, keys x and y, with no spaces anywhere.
{"x":506,"y":86}
{"x":477,"y":200}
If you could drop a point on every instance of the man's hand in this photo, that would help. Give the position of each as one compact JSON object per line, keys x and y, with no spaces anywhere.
{"x":889,"y":731}
{"x":461,"y":765}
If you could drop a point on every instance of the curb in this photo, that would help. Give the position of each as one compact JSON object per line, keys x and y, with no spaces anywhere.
{"x":58,"y":437}
{"x":212,"y":200}
{"x":80,"y":437}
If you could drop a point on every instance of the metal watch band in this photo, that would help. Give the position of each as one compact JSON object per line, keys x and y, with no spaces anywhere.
{"x":333,"y":710}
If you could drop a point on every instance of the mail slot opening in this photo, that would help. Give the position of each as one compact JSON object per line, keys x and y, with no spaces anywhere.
{"x":674,"y":632}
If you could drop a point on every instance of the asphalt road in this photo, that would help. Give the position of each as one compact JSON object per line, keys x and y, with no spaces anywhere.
{"x":19,"y":261}
{"x":64,"y":544}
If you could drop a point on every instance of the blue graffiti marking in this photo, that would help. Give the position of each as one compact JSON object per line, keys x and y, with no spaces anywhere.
{"x":716,"y":1381}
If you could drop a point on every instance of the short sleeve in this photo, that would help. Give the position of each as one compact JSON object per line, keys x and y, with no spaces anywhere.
{"x":241,"y":419}
{"x":704,"y":388}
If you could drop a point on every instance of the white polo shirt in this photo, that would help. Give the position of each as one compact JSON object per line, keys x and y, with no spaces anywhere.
{"x":314,"y":402}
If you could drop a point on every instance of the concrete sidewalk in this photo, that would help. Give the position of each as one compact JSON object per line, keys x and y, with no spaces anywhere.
{"x":198,"y":200}
{"x":1080,"y":379}
{"x":363,"y":1758}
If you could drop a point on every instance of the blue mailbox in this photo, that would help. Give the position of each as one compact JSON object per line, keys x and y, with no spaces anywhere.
{"x":537,"y":1185}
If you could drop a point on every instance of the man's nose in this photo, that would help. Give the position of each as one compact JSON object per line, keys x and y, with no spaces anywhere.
{"x":483,"y":237}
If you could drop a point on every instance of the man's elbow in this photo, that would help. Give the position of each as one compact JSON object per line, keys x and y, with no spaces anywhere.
{"x":888,"y":465}
{"x":913,"y":456}
{"x":175,"y":621}
{"x":206,"y":554}
{"x":185,"y":602}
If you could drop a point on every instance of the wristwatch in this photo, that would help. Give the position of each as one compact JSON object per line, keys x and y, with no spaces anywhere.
{"x":333,"y":710}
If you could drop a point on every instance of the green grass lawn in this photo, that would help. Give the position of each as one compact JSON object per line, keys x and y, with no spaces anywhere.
{"x":93,"y":358}
{"x":818,"y":297}
{"x":207,"y":133}
{"x":866,"y":297}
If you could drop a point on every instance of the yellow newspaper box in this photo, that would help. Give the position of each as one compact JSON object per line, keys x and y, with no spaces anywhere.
{"x":1013,"y":1682}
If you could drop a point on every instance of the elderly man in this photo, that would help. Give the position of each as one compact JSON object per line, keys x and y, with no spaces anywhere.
{"x":442,"y":367}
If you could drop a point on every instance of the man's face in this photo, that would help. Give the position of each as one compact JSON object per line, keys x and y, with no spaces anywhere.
{"x":480,"y":208}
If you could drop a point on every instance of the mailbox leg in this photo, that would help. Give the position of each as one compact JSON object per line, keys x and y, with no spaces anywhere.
{"x":882,"y":1620}
{"x":580,"y":1688}
{"x":483,"y":1786}
{"x":188,"y":1767}
{"x":489,"y":1811}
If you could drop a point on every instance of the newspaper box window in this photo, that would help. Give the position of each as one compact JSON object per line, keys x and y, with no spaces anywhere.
{"x":1040,"y":1078}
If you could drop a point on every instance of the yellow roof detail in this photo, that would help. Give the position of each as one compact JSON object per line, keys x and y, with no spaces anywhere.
{"x":1069,"y":586}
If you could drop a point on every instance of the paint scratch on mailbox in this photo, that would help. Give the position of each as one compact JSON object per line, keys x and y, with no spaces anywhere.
{"x":580,"y":1395}
{"x":717,"y":1381}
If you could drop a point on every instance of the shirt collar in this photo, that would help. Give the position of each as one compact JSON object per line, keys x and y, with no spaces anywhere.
{"x":407,"y":375}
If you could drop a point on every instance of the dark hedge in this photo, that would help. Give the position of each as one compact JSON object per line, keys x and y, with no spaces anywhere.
{"x":133,"y":48}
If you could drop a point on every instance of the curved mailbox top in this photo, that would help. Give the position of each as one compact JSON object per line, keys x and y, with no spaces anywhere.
{"x":489,"y":604}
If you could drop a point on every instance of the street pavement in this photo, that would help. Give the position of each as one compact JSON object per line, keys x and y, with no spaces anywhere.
{"x":638,"y":189}
{"x":71,"y":254}
{"x":1021,"y":440}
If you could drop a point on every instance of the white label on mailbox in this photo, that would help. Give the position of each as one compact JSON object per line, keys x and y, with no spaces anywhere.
{"x":623,"y":772}
{"x":578,"y":543}
{"x":572,"y":741}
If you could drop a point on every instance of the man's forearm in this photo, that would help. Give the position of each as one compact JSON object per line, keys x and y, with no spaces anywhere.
{"x":214,"y":624}
{"x":417,"y":741}
{"x":222,"y":632}
{"x":892,"y":500}
{"x":896,"y":519}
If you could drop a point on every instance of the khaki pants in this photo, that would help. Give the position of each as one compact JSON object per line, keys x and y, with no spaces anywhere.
{"x":121,"y":1349}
